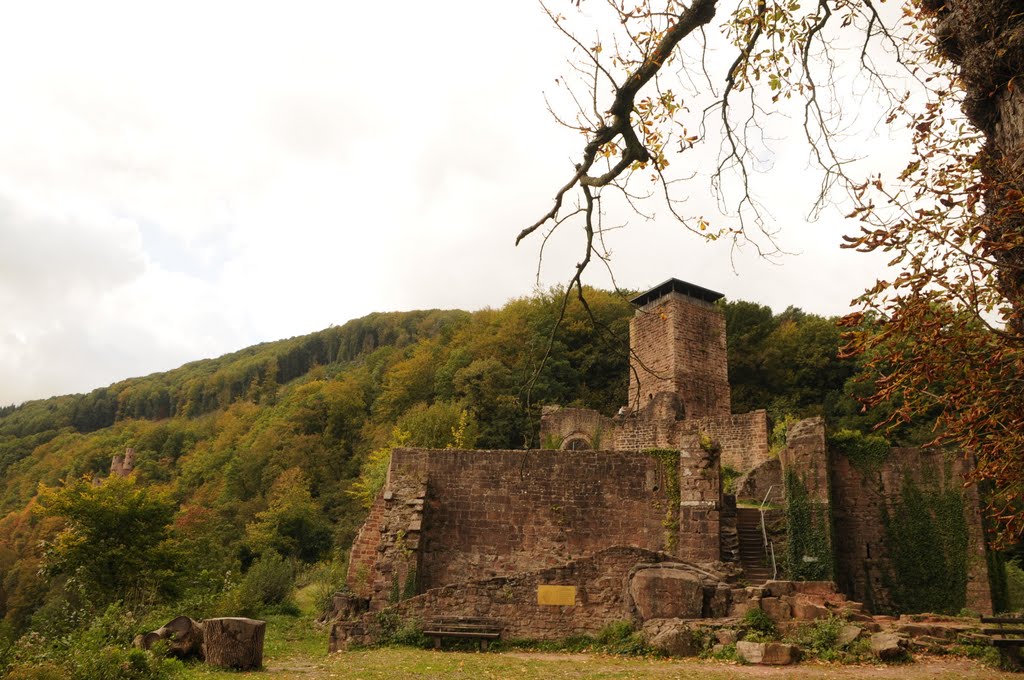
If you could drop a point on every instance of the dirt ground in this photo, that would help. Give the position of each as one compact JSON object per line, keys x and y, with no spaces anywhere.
{"x":923,"y":667}
{"x":386,"y":663}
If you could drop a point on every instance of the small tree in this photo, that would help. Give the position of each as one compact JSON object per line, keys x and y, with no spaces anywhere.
{"x":292,"y":525}
{"x":116,"y":543}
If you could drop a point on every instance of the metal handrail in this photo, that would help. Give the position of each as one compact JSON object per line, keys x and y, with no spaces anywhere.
{"x":769,"y":546}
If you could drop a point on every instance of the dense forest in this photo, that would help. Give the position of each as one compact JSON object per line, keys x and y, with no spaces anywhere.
{"x":261,"y":460}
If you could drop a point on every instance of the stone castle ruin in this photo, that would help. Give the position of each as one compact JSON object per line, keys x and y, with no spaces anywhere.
{"x":123,"y":465}
{"x":627,"y":518}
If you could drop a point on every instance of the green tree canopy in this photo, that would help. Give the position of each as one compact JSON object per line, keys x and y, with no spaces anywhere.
{"x":116,"y":543}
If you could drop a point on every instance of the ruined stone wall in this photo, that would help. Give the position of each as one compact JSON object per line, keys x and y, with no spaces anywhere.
{"x":656,"y":426}
{"x":678,"y":345}
{"x":601,"y":597}
{"x":385,"y":560}
{"x":363,"y":556}
{"x":491,"y":513}
{"x":560,"y":425}
{"x":865,"y":495}
{"x":806,"y":454}
{"x":808,"y":496}
{"x":122,"y":466}
{"x":742,"y":438}
{"x":700,"y":502}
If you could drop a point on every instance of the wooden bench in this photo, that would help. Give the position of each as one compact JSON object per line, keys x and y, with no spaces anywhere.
{"x":483,"y":630}
{"x":1010,"y":640}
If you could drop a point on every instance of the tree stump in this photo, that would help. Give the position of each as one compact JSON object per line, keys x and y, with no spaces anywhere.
{"x":234,"y":642}
{"x":184,"y":637}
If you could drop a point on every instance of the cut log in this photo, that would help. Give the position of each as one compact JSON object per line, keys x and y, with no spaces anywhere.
{"x":234,"y":642}
{"x":184,"y":638}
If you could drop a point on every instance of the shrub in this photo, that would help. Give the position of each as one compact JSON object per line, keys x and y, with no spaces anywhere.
{"x":1014,"y":586}
{"x":621,"y":638}
{"x":323,"y":581}
{"x":986,"y":654}
{"x":116,"y":663}
{"x":820,"y":637}
{"x":268,"y":584}
{"x":41,"y":671}
{"x":100,"y":651}
{"x":759,"y":626}
{"x":729,"y":477}
{"x":395,"y":630}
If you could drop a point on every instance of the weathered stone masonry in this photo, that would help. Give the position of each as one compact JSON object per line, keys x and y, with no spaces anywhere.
{"x":476,"y":533}
{"x":678,"y":341}
{"x":864,"y":496}
{"x":453,"y":515}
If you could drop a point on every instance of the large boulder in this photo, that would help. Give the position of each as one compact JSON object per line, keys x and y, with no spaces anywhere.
{"x":667,"y":592}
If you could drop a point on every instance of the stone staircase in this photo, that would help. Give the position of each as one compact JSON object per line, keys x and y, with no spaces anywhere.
{"x":756,"y":564}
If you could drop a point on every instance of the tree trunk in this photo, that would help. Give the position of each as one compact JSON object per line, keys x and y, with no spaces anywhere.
{"x":985,"y":38}
{"x":234,"y":642}
{"x":184,"y":637}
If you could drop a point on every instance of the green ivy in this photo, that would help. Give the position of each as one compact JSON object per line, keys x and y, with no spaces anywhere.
{"x":927,"y":538}
{"x":998,"y":583}
{"x":409,"y":589}
{"x":729,"y":477}
{"x":780,"y":428}
{"x":809,"y":550}
{"x":670,"y":465}
{"x":866,"y":452}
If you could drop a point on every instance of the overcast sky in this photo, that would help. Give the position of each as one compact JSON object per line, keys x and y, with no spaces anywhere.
{"x":180,"y":180}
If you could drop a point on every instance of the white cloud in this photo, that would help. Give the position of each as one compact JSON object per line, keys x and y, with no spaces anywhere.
{"x":183,"y":180}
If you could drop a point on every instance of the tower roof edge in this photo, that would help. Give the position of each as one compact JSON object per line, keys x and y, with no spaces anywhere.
{"x":676,"y":286}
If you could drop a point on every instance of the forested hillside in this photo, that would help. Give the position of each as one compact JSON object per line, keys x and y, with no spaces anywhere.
{"x":253,"y":459}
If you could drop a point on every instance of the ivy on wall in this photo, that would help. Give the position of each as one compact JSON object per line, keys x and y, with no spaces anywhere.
{"x":809,"y":550}
{"x":925,"y":535}
{"x":927,"y":538}
{"x":670,"y":466}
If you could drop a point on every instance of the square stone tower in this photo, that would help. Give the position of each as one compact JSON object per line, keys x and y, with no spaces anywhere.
{"x":677,"y":336}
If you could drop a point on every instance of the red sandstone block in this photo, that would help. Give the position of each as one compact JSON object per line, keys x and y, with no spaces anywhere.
{"x":808,"y":611}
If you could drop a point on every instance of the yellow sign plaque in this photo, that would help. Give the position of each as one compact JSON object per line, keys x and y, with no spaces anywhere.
{"x":564,"y":596}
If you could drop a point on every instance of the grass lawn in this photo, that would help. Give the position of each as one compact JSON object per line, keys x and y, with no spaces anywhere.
{"x":404,"y":662}
{"x":295,"y":649}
